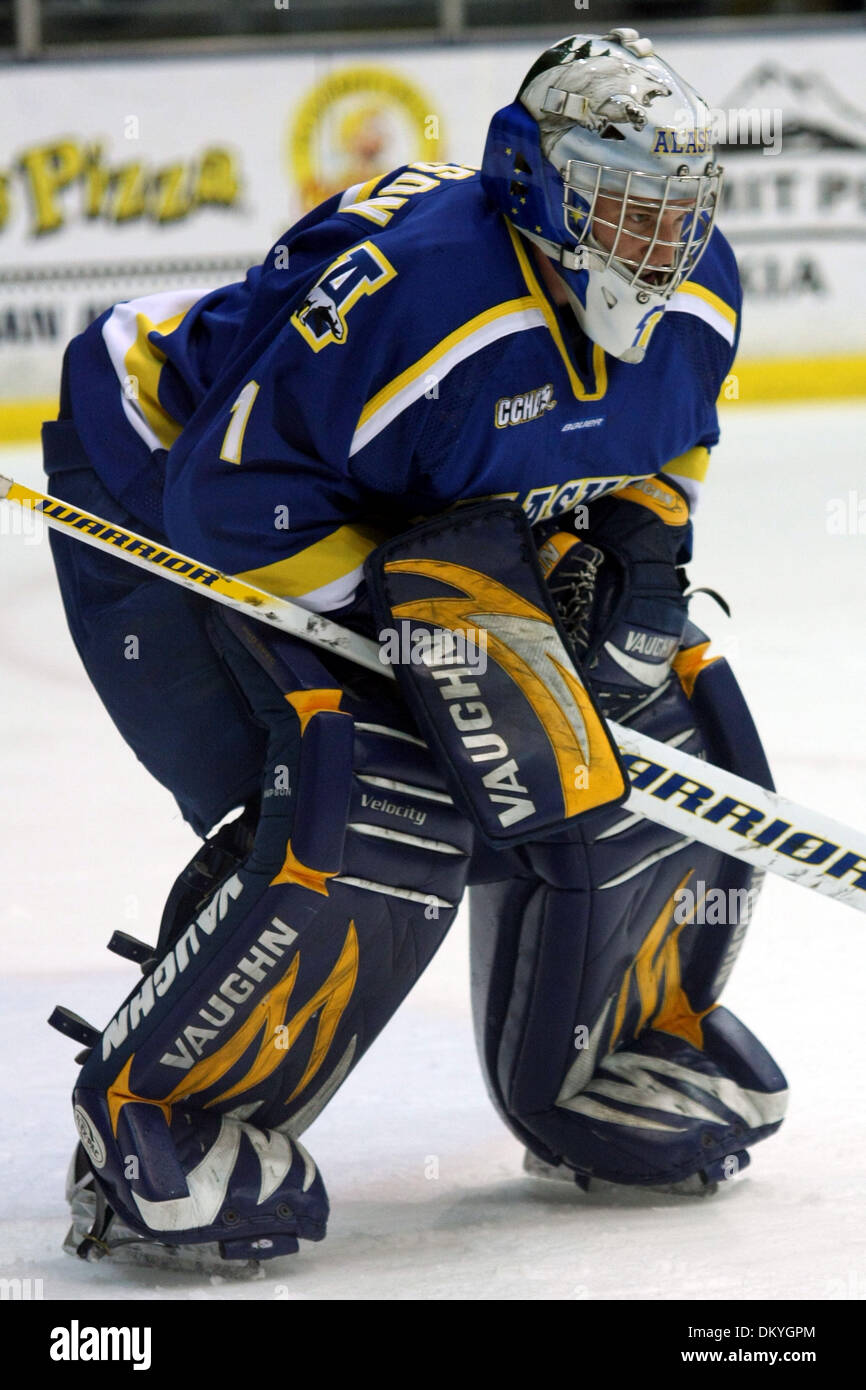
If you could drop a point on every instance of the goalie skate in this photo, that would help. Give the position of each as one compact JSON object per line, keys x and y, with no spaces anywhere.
{"x":696,"y":1185}
{"x":98,"y":1232}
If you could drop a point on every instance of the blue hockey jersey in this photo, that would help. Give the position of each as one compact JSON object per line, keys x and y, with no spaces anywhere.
{"x":396,"y":353}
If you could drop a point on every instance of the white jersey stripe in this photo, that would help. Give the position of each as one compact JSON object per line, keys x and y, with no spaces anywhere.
{"x":690,"y":486}
{"x":350,"y":196}
{"x":120,"y":331}
{"x":334,"y":594}
{"x":690,"y":304}
{"x":516,"y":322}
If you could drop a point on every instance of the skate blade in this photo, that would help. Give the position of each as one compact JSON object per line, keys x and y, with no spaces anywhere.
{"x":191,"y":1259}
{"x":693,"y":1186}
{"x":537,"y":1168}
{"x":125,"y":1247}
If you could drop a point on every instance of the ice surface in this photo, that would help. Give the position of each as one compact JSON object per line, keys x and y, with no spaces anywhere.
{"x":90,"y":843}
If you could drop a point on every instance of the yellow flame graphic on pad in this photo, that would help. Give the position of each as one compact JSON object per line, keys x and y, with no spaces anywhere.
{"x":264,"y":1022}
{"x":664,"y":1004}
{"x":524,"y":642}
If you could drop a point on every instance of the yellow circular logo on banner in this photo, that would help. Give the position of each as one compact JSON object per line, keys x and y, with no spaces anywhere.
{"x":357,"y":123}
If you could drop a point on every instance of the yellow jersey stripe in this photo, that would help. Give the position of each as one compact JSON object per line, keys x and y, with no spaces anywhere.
{"x":512,"y":316}
{"x":694,"y":463}
{"x":701,"y":292}
{"x":539,"y":298}
{"x":144,"y":362}
{"x":333,"y":558}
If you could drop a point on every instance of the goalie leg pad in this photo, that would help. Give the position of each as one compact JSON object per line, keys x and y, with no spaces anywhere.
{"x":596,"y":976}
{"x":265,"y":992}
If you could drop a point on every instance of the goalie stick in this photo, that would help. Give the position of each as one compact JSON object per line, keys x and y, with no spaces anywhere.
{"x":675,"y":789}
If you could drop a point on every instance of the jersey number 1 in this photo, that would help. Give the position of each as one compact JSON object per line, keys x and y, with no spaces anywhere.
{"x":233,"y":439}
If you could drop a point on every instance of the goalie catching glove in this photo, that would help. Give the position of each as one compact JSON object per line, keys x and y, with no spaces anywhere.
{"x":619,"y":593}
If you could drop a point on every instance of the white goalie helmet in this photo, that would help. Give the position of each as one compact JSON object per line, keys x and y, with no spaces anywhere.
{"x":605,"y":162}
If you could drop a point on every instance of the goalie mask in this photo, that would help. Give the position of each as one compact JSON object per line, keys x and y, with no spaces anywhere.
{"x":605,"y":162}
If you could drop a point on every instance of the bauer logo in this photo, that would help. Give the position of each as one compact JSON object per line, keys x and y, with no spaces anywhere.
{"x":90,"y":1137}
{"x":77,"y":1343}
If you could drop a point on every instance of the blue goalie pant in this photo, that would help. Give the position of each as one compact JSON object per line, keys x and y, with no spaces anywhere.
{"x":596,"y":972}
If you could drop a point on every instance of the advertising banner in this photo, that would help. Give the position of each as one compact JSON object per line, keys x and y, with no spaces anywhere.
{"x":122,"y":178}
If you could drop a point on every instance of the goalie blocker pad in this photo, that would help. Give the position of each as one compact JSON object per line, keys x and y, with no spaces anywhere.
{"x":467,"y":622}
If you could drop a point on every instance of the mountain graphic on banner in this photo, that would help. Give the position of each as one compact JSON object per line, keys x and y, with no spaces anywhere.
{"x":814,"y":115}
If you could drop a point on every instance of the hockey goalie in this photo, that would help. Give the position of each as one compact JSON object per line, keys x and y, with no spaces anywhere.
{"x":473,"y":405}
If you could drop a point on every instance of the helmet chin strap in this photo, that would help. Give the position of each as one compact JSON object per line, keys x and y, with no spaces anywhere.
{"x":584,"y":258}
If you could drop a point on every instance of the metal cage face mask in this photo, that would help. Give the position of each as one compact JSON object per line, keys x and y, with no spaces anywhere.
{"x":649,"y":229}
{"x":604,"y":161}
